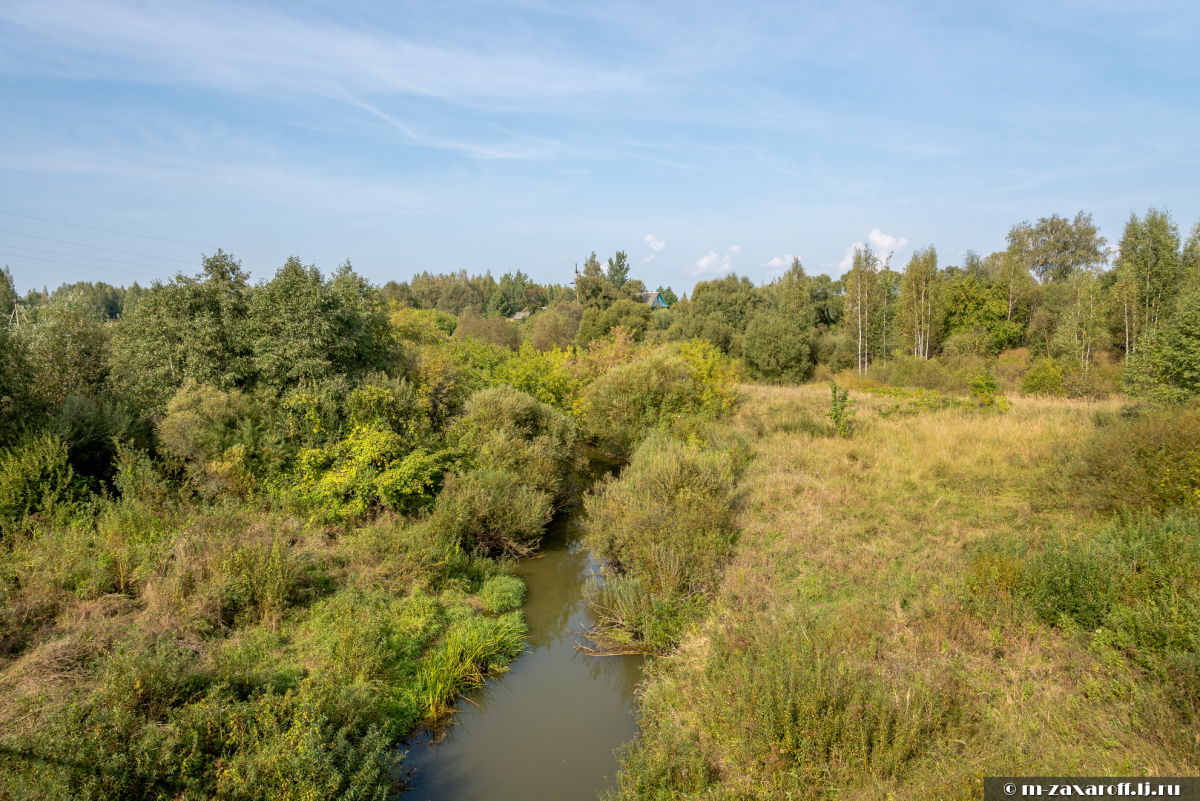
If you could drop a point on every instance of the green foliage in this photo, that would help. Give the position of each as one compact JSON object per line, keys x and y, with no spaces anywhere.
{"x":1147,"y":460}
{"x":68,"y":350}
{"x":505,"y":429}
{"x":597,"y":324}
{"x":618,"y":270}
{"x":35,"y":478}
{"x":371,"y":468}
{"x":664,"y":530}
{"x":502,"y":593}
{"x":495,"y":330}
{"x":1166,"y":365}
{"x":304,"y":327}
{"x":1044,"y":377}
{"x":227,"y":440}
{"x":471,"y":648}
{"x":422,"y":326}
{"x":841,"y":410}
{"x":550,"y":376}
{"x":189,"y":327}
{"x":489,"y":511}
{"x":776,"y":698}
{"x":776,"y":349}
{"x":662,"y":390}
{"x":17,"y":403}
{"x":1132,"y":588}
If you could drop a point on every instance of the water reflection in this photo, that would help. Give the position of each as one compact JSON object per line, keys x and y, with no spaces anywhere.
{"x":547,"y":729}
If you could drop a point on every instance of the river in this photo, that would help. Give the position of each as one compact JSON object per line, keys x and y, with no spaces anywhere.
{"x":548,"y":728}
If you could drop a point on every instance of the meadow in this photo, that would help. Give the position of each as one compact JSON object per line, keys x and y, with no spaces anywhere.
{"x":945,"y":594}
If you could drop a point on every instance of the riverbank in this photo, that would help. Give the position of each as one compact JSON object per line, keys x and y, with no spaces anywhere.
{"x":863,"y":645}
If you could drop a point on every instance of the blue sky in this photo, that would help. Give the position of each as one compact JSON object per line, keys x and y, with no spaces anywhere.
{"x":698,"y":137}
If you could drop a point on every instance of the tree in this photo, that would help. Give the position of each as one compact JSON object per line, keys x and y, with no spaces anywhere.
{"x":1056,"y":247}
{"x":188,"y":327}
{"x":1166,"y":365}
{"x":1148,"y":270}
{"x":921,"y":302}
{"x":1081,"y":330}
{"x":668,"y":296}
{"x":596,"y":324}
{"x":776,"y":348}
{"x":862,"y":289}
{"x":304,"y":328}
{"x":68,"y":349}
{"x":618,"y":270}
{"x":8,"y":295}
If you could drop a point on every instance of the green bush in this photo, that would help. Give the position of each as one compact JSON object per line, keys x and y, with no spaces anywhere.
{"x":35,"y":477}
{"x":490,"y":511}
{"x":1044,"y":377}
{"x":1134,"y":585}
{"x":663,"y":530}
{"x":776,"y":349}
{"x":670,"y":390}
{"x":505,"y":429}
{"x":1146,"y":459}
{"x":227,"y":440}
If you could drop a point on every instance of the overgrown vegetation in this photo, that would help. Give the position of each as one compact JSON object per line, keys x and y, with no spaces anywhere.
{"x":251,"y":536}
{"x":949,"y":593}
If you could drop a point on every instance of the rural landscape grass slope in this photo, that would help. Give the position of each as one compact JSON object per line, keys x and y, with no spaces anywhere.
{"x":888,"y":625}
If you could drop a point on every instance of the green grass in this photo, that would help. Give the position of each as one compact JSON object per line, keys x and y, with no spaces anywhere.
{"x":935,"y":599}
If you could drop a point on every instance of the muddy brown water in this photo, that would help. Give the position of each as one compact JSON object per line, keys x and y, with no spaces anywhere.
{"x":549,"y":728}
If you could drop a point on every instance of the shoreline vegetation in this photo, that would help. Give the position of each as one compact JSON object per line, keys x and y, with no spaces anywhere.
{"x":253,"y":535}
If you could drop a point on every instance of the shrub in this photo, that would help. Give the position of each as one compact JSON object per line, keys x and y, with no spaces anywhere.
{"x":35,"y":477}
{"x":505,"y":429}
{"x":1044,"y":377}
{"x":1135,"y":586}
{"x":1144,"y":460}
{"x":663,"y":530}
{"x":491,"y":511}
{"x":663,"y":390}
{"x":492,"y":330}
{"x":226,"y":439}
{"x":599,"y":323}
{"x":371,"y":468}
{"x":776,"y":349}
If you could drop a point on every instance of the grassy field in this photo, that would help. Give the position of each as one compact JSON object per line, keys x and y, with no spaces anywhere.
{"x":874,"y":635}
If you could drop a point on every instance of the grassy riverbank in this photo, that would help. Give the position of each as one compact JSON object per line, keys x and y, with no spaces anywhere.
{"x":903,"y":612}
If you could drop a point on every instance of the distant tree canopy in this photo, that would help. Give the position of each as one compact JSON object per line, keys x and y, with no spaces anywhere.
{"x":1056,"y":289}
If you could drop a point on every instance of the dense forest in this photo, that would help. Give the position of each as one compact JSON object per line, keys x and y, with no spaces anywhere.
{"x":254,"y":534}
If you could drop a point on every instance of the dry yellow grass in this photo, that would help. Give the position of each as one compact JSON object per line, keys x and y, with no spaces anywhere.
{"x":869,"y":538}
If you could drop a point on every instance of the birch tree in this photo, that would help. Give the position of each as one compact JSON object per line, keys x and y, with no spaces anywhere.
{"x":861,"y":290}
{"x":1148,"y":271}
{"x":921,"y":297}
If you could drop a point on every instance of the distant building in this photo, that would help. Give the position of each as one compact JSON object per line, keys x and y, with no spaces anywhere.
{"x":521,"y":315}
{"x":652,"y":299}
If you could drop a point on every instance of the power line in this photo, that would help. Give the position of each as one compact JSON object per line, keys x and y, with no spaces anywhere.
{"x":88,"y":266}
{"x":161,"y":239}
{"x":94,"y":247}
{"x":79,"y":256}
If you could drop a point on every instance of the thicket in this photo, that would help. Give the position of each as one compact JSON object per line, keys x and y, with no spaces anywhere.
{"x":247,"y":531}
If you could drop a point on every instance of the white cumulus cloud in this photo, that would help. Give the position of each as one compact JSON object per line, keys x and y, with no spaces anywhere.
{"x":734,"y":248}
{"x":884,"y":243}
{"x":780,"y":262}
{"x":655,"y":244}
{"x":712,"y":263}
